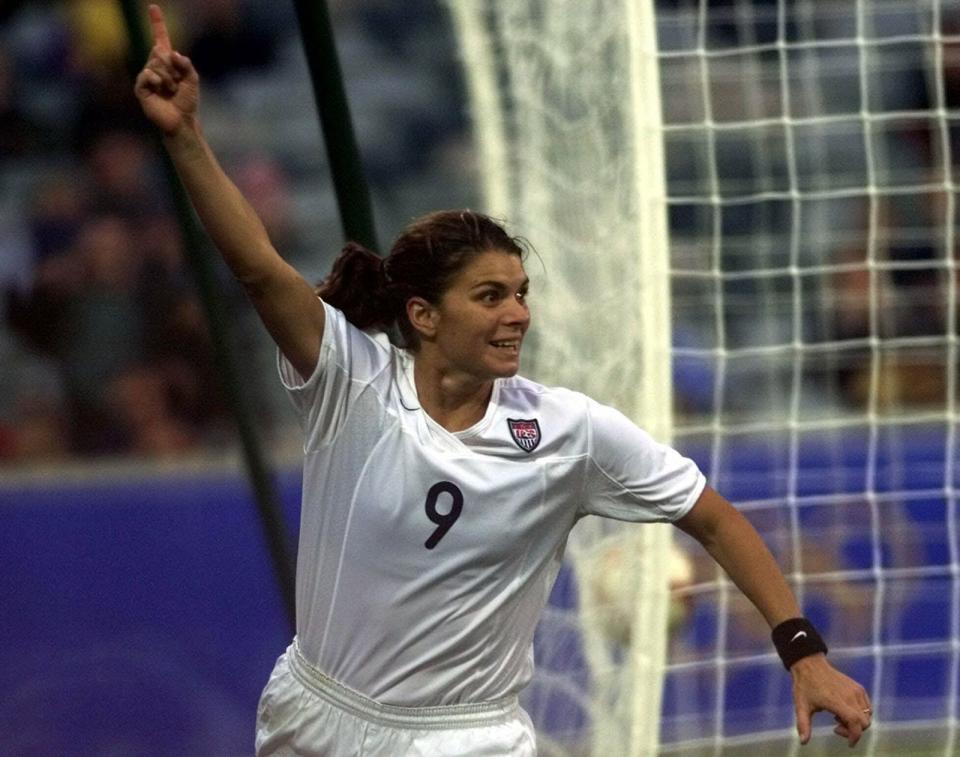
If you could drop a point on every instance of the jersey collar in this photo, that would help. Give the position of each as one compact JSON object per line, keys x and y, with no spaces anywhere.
{"x":411,"y":402}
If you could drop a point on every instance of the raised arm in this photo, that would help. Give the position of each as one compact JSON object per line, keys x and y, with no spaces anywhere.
{"x":736,"y":546}
{"x":169,"y":93}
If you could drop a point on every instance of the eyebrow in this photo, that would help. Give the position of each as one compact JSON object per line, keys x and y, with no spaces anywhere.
{"x":499,"y":284}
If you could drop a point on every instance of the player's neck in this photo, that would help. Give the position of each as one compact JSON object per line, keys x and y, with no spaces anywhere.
{"x":453,"y":399}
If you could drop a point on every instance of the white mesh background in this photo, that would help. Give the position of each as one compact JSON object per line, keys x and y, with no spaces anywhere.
{"x":809,"y":150}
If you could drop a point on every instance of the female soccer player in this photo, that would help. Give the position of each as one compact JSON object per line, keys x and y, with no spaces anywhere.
{"x":439,"y":487}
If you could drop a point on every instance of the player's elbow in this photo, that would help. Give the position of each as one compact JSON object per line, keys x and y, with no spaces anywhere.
{"x":704,"y":520}
{"x":259,"y":281}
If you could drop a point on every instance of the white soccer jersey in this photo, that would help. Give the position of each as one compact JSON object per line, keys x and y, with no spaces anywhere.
{"x":426,"y":556}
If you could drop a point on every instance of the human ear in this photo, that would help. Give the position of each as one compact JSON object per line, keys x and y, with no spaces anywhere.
{"x":423,"y":317}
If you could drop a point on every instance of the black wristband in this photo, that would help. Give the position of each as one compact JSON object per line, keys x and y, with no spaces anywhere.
{"x":795,"y":639}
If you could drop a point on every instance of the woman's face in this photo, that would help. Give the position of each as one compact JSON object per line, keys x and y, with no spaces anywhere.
{"x":481,"y":319}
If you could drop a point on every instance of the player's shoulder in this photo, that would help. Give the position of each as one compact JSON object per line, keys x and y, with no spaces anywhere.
{"x":520,"y":393}
{"x":350,"y":341}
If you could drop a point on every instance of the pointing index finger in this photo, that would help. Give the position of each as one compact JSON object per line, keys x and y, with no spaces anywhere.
{"x":160,"y":36}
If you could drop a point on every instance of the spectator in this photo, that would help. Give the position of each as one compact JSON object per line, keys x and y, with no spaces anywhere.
{"x":226,"y":44}
{"x":33,"y":424}
{"x":266,"y":185}
{"x":120,"y":170}
{"x":139,"y":398}
{"x":37,"y":430}
{"x":20,"y":135}
{"x":56,"y":213}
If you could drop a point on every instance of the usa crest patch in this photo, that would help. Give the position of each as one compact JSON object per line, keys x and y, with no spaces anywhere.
{"x":525,"y":432}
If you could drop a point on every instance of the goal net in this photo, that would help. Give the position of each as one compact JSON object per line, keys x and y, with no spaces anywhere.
{"x":746,"y":216}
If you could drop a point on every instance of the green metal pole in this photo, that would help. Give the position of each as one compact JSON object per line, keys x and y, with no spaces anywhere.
{"x":353,"y":196}
{"x":201,"y":263}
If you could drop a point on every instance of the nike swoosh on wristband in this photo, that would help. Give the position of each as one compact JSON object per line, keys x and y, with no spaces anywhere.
{"x":797,"y":635}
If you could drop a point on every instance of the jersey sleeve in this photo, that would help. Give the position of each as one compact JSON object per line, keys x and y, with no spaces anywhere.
{"x":631,"y":476}
{"x":349,"y":361}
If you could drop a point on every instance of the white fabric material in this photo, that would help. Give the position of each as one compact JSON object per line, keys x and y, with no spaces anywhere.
{"x":403,"y":624}
{"x":306,"y":715}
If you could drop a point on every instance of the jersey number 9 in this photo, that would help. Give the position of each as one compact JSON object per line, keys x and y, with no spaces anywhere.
{"x":445,"y":520}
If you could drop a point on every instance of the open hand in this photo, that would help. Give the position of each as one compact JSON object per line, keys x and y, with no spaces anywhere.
{"x":168,"y":86}
{"x":818,"y":686}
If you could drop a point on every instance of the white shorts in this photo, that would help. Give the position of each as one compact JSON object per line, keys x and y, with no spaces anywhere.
{"x":303,"y":712}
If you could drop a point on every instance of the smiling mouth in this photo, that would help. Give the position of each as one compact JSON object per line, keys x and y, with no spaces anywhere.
{"x":508,"y":345}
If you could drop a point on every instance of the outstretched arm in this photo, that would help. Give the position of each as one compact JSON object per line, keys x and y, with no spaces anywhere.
{"x":736,"y":546}
{"x":168,"y":90}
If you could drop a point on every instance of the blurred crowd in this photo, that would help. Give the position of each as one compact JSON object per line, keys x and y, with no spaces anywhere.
{"x":104,"y":347}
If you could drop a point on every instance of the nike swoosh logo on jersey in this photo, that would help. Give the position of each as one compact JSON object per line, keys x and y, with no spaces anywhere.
{"x":797,"y":635}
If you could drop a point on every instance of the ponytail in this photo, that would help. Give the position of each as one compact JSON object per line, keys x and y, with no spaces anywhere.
{"x":358,"y":288}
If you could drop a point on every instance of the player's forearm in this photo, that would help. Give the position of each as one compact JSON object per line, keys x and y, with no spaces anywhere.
{"x":228,"y":218}
{"x":740,"y":551}
{"x":737,"y":547}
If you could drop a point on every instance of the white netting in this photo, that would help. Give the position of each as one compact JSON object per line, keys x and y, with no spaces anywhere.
{"x":809,"y":150}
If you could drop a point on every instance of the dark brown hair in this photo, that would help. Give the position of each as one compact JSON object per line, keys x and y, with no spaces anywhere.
{"x":372,"y":292}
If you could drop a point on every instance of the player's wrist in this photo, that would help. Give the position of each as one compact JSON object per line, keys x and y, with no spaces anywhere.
{"x":186,"y":136}
{"x":797,"y":639}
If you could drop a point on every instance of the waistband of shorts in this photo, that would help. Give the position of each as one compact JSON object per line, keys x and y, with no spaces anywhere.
{"x":432,"y":718}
